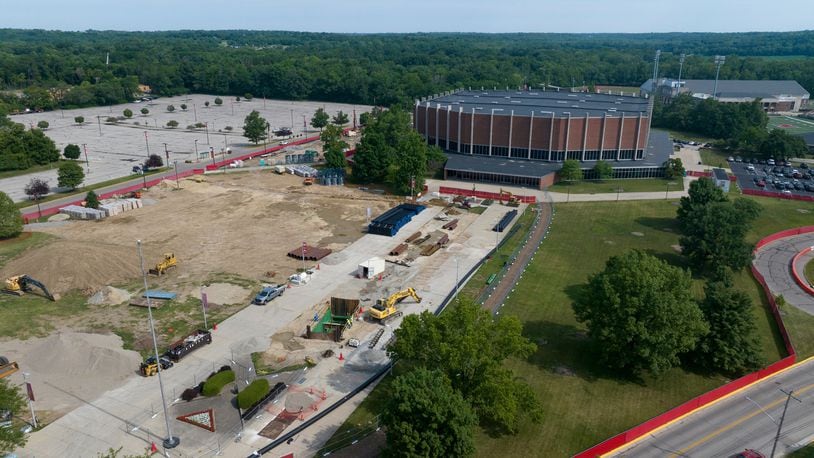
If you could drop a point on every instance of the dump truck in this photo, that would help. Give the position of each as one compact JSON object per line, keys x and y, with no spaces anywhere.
{"x":7,"y":367}
{"x":20,"y":284}
{"x":168,"y":262}
{"x":385,"y":309}
{"x":149,"y":367}
{"x":188,"y":344}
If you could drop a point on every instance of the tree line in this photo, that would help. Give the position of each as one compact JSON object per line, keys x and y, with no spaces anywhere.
{"x":69,"y":69}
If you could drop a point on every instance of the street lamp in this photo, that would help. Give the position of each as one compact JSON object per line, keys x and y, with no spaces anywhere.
{"x":87,"y":163}
{"x":177,"y":186}
{"x":197,"y":158}
{"x":680,"y":68}
{"x":206,"y":126}
{"x":147,"y":142}
{"x":719,"y":61}
{"x":167,"y":153}
{"x":171,"y":441}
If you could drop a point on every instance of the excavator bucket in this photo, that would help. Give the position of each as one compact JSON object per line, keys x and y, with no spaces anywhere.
{"x":7,"y":368}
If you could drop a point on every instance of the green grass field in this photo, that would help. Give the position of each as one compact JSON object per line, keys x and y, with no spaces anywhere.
{"x":582,"y":404}
{"x":798,"y":125}
{"x":715,"y":157}
{"x":611,"y":186}
{"x":809,"y":272}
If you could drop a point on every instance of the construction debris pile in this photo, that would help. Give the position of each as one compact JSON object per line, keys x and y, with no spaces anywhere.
{"x":110,"y":207}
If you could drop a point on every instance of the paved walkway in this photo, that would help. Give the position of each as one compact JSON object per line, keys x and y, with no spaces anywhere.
{"x":774,"y":262}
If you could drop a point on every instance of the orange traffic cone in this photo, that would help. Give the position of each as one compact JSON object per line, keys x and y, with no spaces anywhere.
{"x":153,"y":448}
{"x":288,"y":286}
{"x":341,"y":357}
{"x":317,"y":266}
{"x":214,"y":326}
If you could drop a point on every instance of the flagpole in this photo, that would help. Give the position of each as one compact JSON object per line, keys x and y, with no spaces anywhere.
{"x":203,"y":307}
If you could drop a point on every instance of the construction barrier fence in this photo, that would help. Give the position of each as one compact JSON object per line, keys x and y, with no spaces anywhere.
{"x":484,"y":194}
{"x":707,"y":398}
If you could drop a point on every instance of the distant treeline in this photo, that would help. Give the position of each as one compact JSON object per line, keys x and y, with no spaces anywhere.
{"x":384,"y":69}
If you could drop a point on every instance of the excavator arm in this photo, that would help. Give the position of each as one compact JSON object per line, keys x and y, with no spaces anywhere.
{"x":26,"y":282}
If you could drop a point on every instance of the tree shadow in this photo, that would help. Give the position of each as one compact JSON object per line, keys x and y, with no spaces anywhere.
{"x":567,"y":351}
{"x":673,"y":258}
{"x":669,"y":225}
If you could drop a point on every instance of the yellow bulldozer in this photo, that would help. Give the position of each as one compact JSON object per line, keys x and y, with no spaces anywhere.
{"x":162,"y":267}
{"x":7,"y":367}
{"x":385,"y":309}
{"x":20,"y":284}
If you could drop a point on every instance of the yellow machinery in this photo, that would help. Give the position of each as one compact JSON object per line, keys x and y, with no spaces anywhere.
{"x":385,"y":308}
{"x":308,"y":181}
{"x":511,"y":200}
{"x":7,"y":368}
{"x":162,"y":267}
{"x":20,"y":284}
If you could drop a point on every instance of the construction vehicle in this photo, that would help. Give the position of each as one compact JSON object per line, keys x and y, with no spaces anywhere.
{"x":511,"y":200}
{"x":162,"y":267}
{"x":20,"y":284}
{"x":188,"y":344}
{"x":7,"y":367}
{"x":149,"y":367}
{"x":385,"y":309}
{"x":308,"y":181}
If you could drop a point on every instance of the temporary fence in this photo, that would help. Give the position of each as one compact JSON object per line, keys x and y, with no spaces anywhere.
{"x":778,"y":195}
{"x":709,"y":397}
{"x":242,"y":157}
{"x":485,"y":194}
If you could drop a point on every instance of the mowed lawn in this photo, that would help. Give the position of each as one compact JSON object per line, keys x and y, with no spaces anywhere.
{"x":621,"y":186}
{"x":791,"y":125}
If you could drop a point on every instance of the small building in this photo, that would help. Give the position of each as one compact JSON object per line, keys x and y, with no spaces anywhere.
{"x":721,"y":179}
{"x":370,"y":268}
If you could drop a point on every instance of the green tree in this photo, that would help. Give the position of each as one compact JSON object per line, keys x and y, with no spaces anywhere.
{"x":364,"y":119}
{"x":11,"y":400}
{"x":170,"y":108}
{"x":470,"y":346}
{"x":603,"y":170}
{"x":701,"y":193}
{"x":333,"y":147}
{"x":40,"y":148}
{"x":255,"y":128}
{"x":70,"y":175}
{"x":11,"y":221}
{"x":206,"y":104}
{"x":154,"y":161}
{"x":145,"y":111}
{"x":425,"y":416}
{"x":79,"y":120}
{"x":673,"y":168}
{"x":128,"y":113}
{"x":571,"y":170}
{"x":237,"y":99}
{"x":248,"y":97}
{"x":36,"y":189}
{"x":42,"y":125}
{"x":218,"y":101}
{"x":715,"y":235}
{"x":372,"y":158}
{"x":72,"y":151}
{"x":184,"y":106}
{"x":172,"y":124}
{"x":410,"y":163}
{"x":732,"y":345}
{"x":781,"y":145}
{"x":91,"y":200}
{"x":640,"y":313}
{"x":320,"y":119}
{"x":340,"y":119}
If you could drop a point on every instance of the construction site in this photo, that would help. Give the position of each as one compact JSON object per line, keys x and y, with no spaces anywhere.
{"x":350,"y":262}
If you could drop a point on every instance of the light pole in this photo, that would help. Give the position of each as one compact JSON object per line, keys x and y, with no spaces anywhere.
{"x":680,"y":68}
{"x":177,"y":186}
{"x":29,"y":393}
{"x":194,"y":112}
{"x":292,"y":121}
{"x":197,"y":158}
{"x":206,"y":127}
{"x":212,"y":154}
{"x":171,"y":441}
{"x":789,"y":395}
{"x":147,"y":142}
{"x":87,"y":163}
{"x":233,"y":108}
{"x":656,"y":70}
{"x":304,"y":125}
{"x":203,"y":306}
{"x":99,"y":121}
{"x":719,"y":61}
{"x":167,"y":153}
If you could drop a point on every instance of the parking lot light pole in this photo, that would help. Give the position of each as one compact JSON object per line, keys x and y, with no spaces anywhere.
{"x":171,"y":441}
{"x":87,"y":163}
{"x":147,"y":142}
{"x":206,"y":126}
{"x":177,"y":186}
{"x":197,"y":158}
{"x":167,"y":153}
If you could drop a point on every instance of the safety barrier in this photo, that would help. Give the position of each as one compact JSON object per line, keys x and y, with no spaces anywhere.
{"x":485,"y":194}
{"x":709,"y":397}
{"x":777,"y":195}
{"x":225,"y":162}
{"x":699,"y":174}
{"x":803,"y":283}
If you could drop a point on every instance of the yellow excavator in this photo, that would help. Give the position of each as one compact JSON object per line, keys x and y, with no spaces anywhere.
{"x":20,"y":284}
{"x":511,"y":200}
{"x":7,"y":367}
{"x":162,"y":267}
{"x":385,"y":309}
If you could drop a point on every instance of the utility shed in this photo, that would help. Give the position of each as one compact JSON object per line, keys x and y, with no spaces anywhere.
{"x":721,"y":179}
{"x":370,"y":268}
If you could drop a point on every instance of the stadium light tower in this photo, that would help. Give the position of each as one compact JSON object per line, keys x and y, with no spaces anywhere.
{"x":719,"y":60}
{"x":681,"y":59}
{"x":656,"y":70}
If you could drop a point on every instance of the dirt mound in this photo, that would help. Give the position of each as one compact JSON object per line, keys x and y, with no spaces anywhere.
{"x":109,"y":296}
{"x":67,"y":264}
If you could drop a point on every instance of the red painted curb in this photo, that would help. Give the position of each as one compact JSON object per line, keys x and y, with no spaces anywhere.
{"x":797,"y":277}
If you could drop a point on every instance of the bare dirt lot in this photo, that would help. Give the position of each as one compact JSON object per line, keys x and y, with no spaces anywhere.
{"x":241,"y":224}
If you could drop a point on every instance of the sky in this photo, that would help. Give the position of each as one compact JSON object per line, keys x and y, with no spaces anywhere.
{"x":369,"y":16}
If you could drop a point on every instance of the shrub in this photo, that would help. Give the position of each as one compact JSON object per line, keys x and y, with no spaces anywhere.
{"x":200,"y":125}
{"x":184,"y":106}
{"x":79,"y":119}
{"x":253,"y":393}
{"x":172,"y":124}
{"x":216,"y":383}
{"x":170,"y":108}
{"x":43,"y":125}
{"x":145,"y":111}
{"x":92,"y":200}
{"x":191,"y":127}
{"x":218,"y":101}
{"x":154,"y":161}
{"x":111,"y":120}
{"x":191,"y":393}
{"x":228,"y":128}
{"x":128,"y":113}
{"x":11,"y":221}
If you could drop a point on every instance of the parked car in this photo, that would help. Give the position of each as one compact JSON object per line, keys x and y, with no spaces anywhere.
{"x":798,"y":186}
{"x":730,"y":159}
{"x":268,"y":293}
{"x":803,"y":165}
{"x":770,"y":161}
{"x":749,"y":453}
{"x":808,"y":187}
{"x":738,"y":159}
{"x":761,"y":183}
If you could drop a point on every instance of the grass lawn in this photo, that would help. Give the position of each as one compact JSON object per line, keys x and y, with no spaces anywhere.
{"x":809,"y":272}
{"x":805,"y":452}
{"x":689,"y":136}
{"x":582,"y":403}
{"x":10,"y":248}
{"x":798,"y":125}
{"x":80,"y":192}
{"x":611,"y":186}
{"x":715,"y":157}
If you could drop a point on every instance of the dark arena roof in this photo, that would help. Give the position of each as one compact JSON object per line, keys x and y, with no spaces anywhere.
{"x":543,"y":103}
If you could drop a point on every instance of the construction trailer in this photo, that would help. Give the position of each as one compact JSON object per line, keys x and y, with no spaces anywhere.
{"x":188,"y":344}
{"x":334,"y":320}
{"x":391,"y":221}
{"x":371,"y":268}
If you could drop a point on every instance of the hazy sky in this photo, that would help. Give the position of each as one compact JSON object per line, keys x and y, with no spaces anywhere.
{"x":413,"y":15}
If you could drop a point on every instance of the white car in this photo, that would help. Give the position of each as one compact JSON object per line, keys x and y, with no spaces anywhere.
{"x":353,"y":343}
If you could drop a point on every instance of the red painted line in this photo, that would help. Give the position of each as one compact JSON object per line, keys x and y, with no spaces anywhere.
{"x":797,"y":277}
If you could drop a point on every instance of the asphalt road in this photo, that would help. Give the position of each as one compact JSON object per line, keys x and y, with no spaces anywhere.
{"x":749,"y":419}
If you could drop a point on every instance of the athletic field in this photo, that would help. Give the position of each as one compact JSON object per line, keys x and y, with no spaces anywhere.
{"x":792,"y":125}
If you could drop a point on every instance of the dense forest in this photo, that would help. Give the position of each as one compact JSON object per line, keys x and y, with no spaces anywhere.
{"x":382,"y":69}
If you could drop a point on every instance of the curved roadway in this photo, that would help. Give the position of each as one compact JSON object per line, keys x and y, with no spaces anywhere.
{"x":748,"y":419}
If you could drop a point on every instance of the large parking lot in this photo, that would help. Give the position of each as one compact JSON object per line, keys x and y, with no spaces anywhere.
{"x":794,"y":178}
